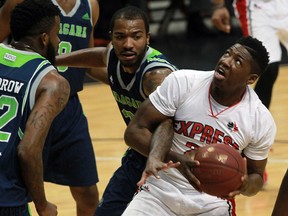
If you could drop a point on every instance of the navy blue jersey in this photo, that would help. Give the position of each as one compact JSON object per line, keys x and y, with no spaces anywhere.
{"x":69,"y":140}
{"x":130,"y":96}
{"x":123,"y":184}
{"x":20,"y":75}
{"x":74,"y":34}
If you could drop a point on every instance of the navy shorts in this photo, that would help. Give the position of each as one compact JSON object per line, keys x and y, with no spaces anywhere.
{"x":69,"y":157}
{"x":123,"y":185}
{"x":15,"y":211}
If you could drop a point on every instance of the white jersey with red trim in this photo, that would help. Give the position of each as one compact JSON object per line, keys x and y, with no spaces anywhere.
{"x":248,"y":125}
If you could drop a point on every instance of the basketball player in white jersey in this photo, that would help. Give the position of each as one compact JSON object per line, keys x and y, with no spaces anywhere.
{"x":206,"y":107}
{"x":266,"y":20}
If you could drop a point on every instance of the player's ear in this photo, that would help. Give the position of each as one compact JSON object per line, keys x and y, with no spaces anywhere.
{"x":44,"y":39}
{"x":148,"y":38}
{"x":110,"y":35}
{"x":252,"y":79}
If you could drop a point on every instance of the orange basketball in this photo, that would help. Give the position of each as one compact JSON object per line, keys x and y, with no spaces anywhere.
{"x":220,"y":170}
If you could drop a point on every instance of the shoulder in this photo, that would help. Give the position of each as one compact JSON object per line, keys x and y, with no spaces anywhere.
{"x":55,"y":84}
{"x":193,"y":75}
{"x":263,"y":118}
{"x":188,"y":80}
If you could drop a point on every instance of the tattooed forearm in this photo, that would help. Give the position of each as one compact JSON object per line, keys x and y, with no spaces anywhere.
{"x":64,"y":95}
{"x":41,"y":117}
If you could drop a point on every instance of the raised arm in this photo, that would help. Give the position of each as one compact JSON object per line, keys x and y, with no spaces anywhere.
{"x":51,"y":97}
{"x":220,"y":16}
{"x":5,"y":12}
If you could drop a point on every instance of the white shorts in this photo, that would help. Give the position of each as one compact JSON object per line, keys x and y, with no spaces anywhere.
{"x":161,"y":198}
{"x":266,"y":20}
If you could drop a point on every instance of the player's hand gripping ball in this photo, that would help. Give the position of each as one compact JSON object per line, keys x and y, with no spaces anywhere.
{"x":220,"y":170}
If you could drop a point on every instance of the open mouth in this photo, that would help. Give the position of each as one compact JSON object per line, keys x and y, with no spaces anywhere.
{"x":220,"y":73}
{"x":128,"y":55}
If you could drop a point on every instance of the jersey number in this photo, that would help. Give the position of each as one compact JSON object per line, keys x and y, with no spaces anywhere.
{"x":10,"y":113}
{"x":64,"y":47}
{"x":127,"y":114}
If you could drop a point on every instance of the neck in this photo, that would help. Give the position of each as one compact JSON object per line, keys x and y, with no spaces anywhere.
{"x":224,"y":98}
{"x":21,"y":45}
{"x":66,"y":5}
{"x":130,"y":70}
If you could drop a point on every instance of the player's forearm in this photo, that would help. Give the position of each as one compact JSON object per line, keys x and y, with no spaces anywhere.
{"x":162,"y":140}
{"x":32,"y":172}
{"x":85,"y":58}
{"x":138,"y":139}
{"x":99,"y":73}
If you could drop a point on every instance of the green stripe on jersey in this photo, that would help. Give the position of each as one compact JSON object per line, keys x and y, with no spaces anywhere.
{"x":15,"y":58}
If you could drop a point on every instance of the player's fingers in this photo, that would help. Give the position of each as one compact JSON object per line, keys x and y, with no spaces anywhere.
{"x":193,"y":180}
{"x":144,"y":176}
{"x":245,"y":165}
{"x":192,"y":163}
{"x":221,"y":20}
{"x":171,"y":164}
{"x":233,"y":194}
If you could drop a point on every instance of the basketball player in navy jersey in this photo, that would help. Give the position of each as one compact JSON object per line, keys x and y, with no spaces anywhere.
{"x":69,"y":131}
{"x":134,"y":71}
{"x":32,"y":93}
{"x":71,"y":158}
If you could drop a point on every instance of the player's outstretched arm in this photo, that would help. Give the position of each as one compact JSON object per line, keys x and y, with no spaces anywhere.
{"x":160,"y":147}
{"x":51,"y":96}
{"x":94,"y":57}
{"x":155,"y":168}
{"x":84,"y":58}
{"x":5,"y":13}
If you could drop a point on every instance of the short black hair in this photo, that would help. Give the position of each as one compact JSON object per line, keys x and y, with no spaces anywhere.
{"x":257,"y":50}
{"x":130,"y":13}
{"x":32,"y":17}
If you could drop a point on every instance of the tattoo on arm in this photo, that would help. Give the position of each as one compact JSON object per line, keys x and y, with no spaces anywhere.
{"x":154,"y":78}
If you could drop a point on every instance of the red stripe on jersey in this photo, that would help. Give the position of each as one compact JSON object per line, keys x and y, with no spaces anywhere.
{"x":243,"y":13}
{"x":233,"y":204}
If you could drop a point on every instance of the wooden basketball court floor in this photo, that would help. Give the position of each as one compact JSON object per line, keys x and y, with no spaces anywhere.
{"x":107,"y":127}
